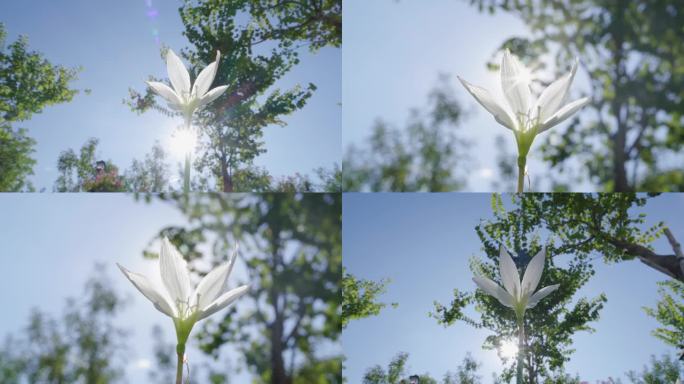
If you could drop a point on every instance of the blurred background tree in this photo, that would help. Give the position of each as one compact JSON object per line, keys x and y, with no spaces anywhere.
{"x":82,"y":346}
{"x":396,"y":373}
{"x":550,"y":325}
{"x":28,"y":83}
{"x":631,"y":135}
{"x":85,"y":172}
{"x":150,"y":174}
{"x":423,"y":156}
{"x":259,"y":42}
{"x":662,"y":370}
{"x":289,"y":329}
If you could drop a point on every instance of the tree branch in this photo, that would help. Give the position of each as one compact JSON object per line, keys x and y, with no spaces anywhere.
{"x":667,"y":264}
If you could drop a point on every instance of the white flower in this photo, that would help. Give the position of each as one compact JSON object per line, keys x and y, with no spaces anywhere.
{"x":182,"y":97}
{"x":517,"y":295}
{"x":522,"y":114}
{"x":177,"y":299}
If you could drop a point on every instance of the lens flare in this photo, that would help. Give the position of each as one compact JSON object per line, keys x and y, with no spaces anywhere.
{"x":152,"y":13}
{"x":182,"y":142}
{"x":508,"y":349}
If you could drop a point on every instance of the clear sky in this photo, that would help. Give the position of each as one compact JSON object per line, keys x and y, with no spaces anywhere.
{"x":115,"y":44}
{"x":393,"y":54}
{"x":51,"y":244}
{"x":422,"y":242}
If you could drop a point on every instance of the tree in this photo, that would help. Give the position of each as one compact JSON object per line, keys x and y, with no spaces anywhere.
{"x":550,"y":325}
{"x":231,"y":128}
{"x":28,"y":83}
{"x":258,"y":179}
{"x":664,"y":370}
{"x":318,"y":23}
{"x":294,"y":243}
{"x":632,"y":139}
{"x":84,"y":173}
{"x":150,"y":174}
{"x":16,"y":163}
{"x":669,"y":311}
{"x":395,"y":373}
{"x":83,"y":346}
{"x":421,"y":157}
{"x":359,"y":297}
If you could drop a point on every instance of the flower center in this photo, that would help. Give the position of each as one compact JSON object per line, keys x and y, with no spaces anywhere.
{"x":187,"y":308}
{"x":529,"y":120}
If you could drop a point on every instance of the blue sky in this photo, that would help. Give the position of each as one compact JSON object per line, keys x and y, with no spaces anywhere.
{"x":115,"y":44}
{"x":422,"y":242}
{"x":393,"y":54}
{"x":52,"y":243}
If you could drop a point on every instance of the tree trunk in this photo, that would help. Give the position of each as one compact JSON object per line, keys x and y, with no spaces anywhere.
{"x":620,"y":183}
{"x":619,"y":159}
{"x":278,"y":373}
{"x":227,"y":178}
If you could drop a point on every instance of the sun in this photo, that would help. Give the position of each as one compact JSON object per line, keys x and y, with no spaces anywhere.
{"x":182,"y":142}
{"x":508,"y":349}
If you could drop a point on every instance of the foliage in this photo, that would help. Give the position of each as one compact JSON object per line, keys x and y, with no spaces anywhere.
{"x":669,"y":312}
{"x":420,"y":157}
{"x":16,"y":163}
{"x":318,"y":23}
{"x":150,"y":174}
{"x":396,"y":373}
{"x":664,"y":370}
{"x":28,"y":83}
{"x":258,"y":179}
{"x":83,"y":346}
{"x":550,"y":325}
{"x":255,"y":55}
{"x":294,"y":270}
{"x":81,"y":173}
{"x":359,"y":297}
{"x":632,"y":139}
{"x":107,"y":180}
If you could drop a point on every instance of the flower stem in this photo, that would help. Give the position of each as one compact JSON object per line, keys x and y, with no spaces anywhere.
{"x":186,"y":176}
{"x":521,"y":354}
{"x":180,"y":350}
{"x":521,"y":173}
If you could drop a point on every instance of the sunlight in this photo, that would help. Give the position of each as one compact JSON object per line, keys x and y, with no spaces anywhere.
{"x":508,"y":349}
{"x":182,"y":141}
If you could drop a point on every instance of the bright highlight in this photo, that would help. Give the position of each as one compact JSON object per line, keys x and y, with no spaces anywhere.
{"x":182,"y":142}
{"x":509,"y":349}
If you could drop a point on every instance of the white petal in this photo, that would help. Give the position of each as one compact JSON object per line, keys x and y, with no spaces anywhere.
{"x":493,"y":289}
{"x":483,"y":97}
{"x":540,"y":294}
{"x":213,"y":283}
{"x":148,"y":289}
{"x":515,"y":81}
{"x":533,"y":273}
{"x":565,"y":112}
{"x":223,"y":301}
{"x":179,"y":76}
{"x":212,"y":95}
{"x":166,"y":92}
{"x":509,"y":273}
{"x":205,"y":78}
{"x":554,"y":95}
{"x":174,"y":272}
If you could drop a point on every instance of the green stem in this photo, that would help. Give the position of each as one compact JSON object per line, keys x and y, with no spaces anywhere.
{"x":186,"y":176}
{"x":521,"y":357}
{"x":180,"y":350}
{"x":521,"y":173}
